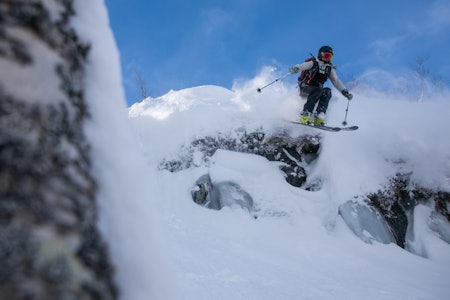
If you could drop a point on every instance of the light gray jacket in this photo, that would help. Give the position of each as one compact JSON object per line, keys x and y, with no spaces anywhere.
{"x":322,"y":69}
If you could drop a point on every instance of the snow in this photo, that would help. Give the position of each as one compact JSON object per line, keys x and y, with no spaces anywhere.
{"x":424,"y":241}
{"x":126,"y":220}
{"x":165,"y":246}
{"x":298,"y":247}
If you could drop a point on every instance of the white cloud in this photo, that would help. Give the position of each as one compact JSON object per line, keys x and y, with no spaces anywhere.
{"x":434,"y":21}
{"x":214,"y":19}
{"x":387,"y":46}
{"x":438,"y":17}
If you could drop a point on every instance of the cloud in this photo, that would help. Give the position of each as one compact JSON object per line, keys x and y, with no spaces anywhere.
{"x":385,"y":47}
{"x":214,"y":20}
{"x":437,"y":18}
{"x":433,"y":23}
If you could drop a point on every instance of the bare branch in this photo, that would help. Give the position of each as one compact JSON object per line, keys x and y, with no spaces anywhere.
{"x":142,"y":84}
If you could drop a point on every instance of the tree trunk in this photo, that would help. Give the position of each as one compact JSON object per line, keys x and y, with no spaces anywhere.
{"x":50,"y":247}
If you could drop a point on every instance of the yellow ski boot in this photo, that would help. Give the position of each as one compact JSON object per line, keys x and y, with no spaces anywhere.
{"x":319,"y":120}
{"x":305,"y":118}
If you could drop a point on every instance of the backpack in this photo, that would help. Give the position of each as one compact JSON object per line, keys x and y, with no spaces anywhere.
{"x":307,"y":75}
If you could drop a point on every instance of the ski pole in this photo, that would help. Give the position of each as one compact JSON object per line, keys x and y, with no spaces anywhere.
{"x":278,"y":79}
{"x":346,"y":111}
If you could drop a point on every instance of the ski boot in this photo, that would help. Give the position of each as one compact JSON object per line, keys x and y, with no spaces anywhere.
{"x":319,"y":120}
{"x":305,"y":117}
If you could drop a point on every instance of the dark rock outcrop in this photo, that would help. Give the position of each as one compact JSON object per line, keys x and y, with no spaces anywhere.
{"x":397,"y":201}
{"x":294,"y":153}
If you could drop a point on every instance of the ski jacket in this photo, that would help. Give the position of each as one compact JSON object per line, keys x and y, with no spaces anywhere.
{"x":324,"y":71}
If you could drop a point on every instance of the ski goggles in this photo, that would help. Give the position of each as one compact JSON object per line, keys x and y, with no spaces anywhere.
{"x":327,"y":55}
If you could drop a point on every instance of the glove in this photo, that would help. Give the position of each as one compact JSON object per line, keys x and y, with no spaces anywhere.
{"x":293,"y":70}
{"x":347,"y":95}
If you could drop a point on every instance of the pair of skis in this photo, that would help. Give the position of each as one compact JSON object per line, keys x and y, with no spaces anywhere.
{"x":327,"y":128}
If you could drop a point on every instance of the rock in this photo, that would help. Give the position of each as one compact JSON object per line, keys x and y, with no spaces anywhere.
{"x":366,"y":223}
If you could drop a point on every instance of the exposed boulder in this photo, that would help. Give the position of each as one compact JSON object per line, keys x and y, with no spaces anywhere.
{"x":221,"y":194}
{"x":201,"y":193}
{"x":366,"y":223}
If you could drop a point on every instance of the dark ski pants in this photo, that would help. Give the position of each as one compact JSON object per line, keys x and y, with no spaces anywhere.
{"x":316,"y":94}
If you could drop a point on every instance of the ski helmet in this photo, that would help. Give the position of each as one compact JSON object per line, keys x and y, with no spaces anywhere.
{"x":325,"y":49}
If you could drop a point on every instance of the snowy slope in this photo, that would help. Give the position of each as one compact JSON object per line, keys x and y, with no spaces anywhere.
{"x":301,"y":248}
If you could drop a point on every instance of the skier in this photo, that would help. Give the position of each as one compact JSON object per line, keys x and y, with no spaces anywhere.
{"x":315,"y":72}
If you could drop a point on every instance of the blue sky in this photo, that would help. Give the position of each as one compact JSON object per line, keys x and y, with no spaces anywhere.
{"x":177,"y":44}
